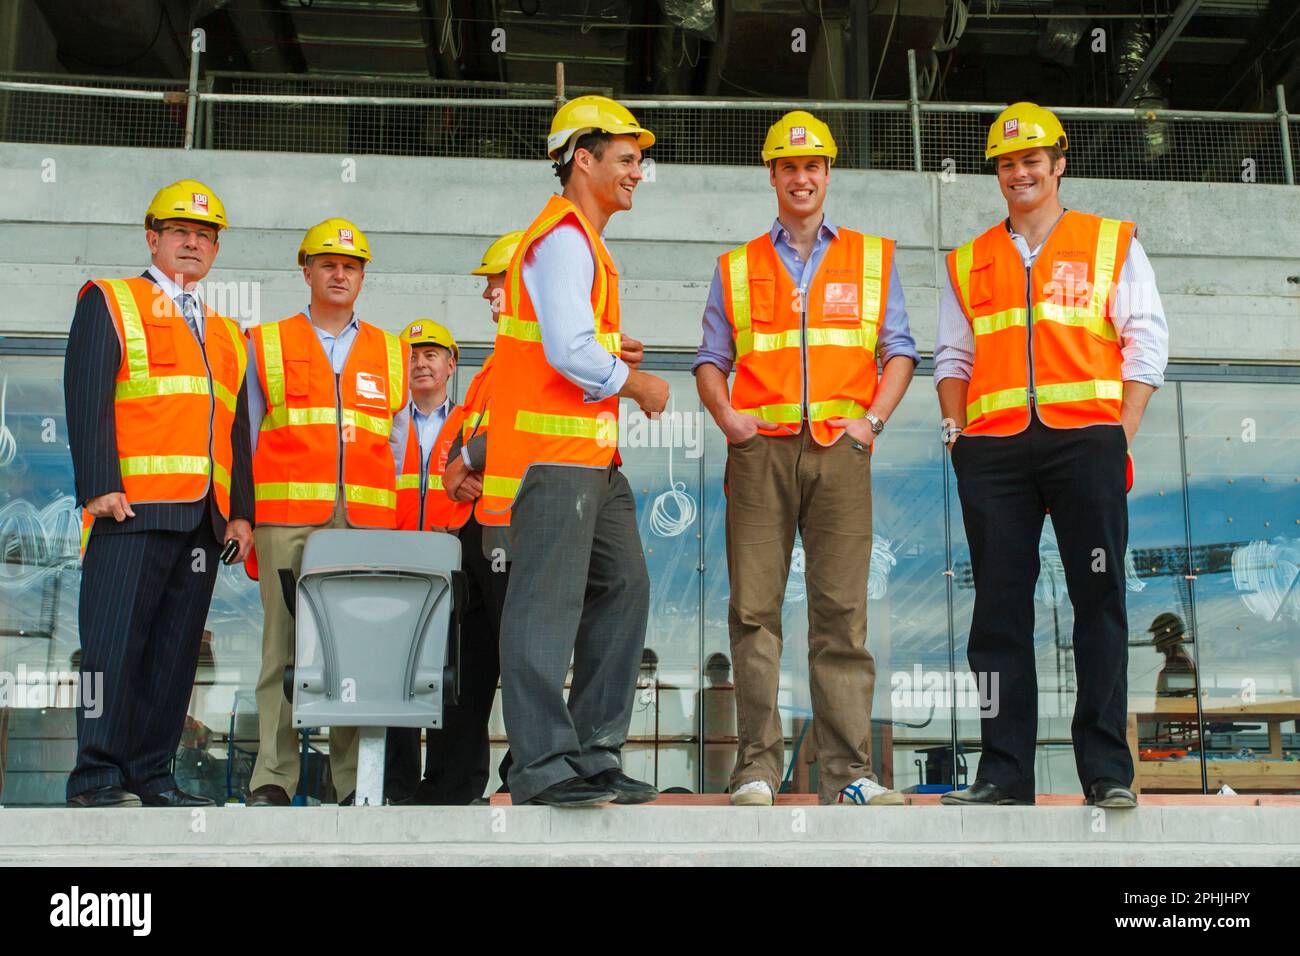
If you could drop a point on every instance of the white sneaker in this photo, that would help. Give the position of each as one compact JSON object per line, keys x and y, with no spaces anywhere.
{"x":866,"y":792}
{"x":756,"y":793}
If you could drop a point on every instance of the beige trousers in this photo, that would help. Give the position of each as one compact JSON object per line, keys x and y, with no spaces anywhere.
{"x":775,"y":485}
{"x":278,"y":754}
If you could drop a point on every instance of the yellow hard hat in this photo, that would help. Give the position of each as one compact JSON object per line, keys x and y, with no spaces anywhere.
{"x":497,"y":258}
{"x":1024,"y":126}
{"x":335,"y":237}
{"x":588,"y":113}
{"x":429,"y":332}
{"x":186,"y":199}
{"x":799,"y":133}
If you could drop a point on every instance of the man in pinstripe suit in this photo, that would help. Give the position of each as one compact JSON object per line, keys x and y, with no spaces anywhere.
{"x":136,"y":388}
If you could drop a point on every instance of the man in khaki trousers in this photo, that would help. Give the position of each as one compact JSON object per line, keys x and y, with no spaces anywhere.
{"x":325,"y":411}
{"x":800,"y":314}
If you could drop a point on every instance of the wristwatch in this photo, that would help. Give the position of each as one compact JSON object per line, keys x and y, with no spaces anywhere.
{"x":950,"y":431}
{"x":877,"y":426}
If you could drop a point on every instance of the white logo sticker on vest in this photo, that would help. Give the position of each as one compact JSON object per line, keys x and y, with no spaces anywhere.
{"x":1069,"y":284}
{"x":840,"y":301}
{"x":199,"y":202}
{"x":370,"y":386}
{"x":1010,"y":129}
{"x":798,"y":135}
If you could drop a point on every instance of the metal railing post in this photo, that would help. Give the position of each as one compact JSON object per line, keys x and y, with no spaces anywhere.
{"x":914,"y":101}
{"x":1284,"y":124}
{"x":192,"y":92}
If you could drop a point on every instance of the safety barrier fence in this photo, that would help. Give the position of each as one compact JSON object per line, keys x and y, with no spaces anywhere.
{"x":444,"y":118}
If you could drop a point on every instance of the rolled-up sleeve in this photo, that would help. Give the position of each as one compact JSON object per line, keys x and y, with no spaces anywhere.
{"x":954,"y":346}
{"x":895,"y":331}
{"x":558,"y":274}
{"x":1140,"y":321}
{"x":718,"y":345}
{"x":256,"y":400}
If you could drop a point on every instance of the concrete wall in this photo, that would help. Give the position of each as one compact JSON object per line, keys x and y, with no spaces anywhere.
{"x":1227,"y":256}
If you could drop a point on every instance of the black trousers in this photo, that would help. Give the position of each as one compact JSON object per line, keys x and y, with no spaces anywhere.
{"x":457,"y":756}
{"x":1006,"y":487}
{"x":144,"y":600}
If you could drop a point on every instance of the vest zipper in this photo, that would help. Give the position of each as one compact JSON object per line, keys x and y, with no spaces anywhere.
{"x":212,"y":412}
{"x":1029,"y":336}
{"x":338,"y":417}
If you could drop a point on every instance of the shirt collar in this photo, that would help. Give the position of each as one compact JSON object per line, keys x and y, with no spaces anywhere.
{"x":174,"y":292}
{"x":353,"y":323}
{"x":445,"y":407}
{"x":827,"y":229}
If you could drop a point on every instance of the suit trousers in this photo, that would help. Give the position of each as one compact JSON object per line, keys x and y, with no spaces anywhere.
{"x":278,"y":753}
{"x":144,"y":600}
{"x":1006,"y":486}
{"x":579,"y":592}
{"x":775,"y":485}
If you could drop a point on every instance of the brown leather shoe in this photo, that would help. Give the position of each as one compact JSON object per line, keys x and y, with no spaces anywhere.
{"x":269,"y":795}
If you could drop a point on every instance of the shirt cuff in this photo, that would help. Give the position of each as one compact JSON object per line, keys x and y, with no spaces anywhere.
{"x":721,"y":362}
{"x":950,"y":371}
{"x":613,"y":385}
{"x":1146,"y":375}
{"x":464,"y":456}
{"x":913,"y":354}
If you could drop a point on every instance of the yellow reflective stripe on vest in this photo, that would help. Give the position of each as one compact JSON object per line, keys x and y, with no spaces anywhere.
{"x":873,"y":264}
{"x":221,"y":476}
{"x":516,"y":328}
{"x":295,"y":490}
{"x":396,"y":399}
{"x":568,"y":426}
{"x":611,"y":342}
{"x":163,"y":465}
{"x":435,"y":482}
{"x":997,"y":401}
{"x":162,"y":385}
{"x":240,"y":343}
{"x":771,"y":341}
{"x":1079,"y":391}
{"x":742,"y":319}
{"x":360,"y":494}
{"x":965,"y":259}
{"x":785,"y":414}
{"x":408,"y":482}
{"x":1077,"y":317}
{"x":1006,"y":319}
{"x":137,"y":346}
{"x":495,"y":486}
{"x":474,"y":420}
{"x":382,"y":427}
{"x":837,"y":408}
{"x":274,"y":370}
{"x":281,"y":416}
{"x":862,"y":337}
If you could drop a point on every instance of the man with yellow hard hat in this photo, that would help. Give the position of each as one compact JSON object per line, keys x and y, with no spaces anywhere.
{"x":326,"y":396}
{"x":157,"y":417}
{"x":1051,"y":341}
{"x":803,"y":314}
{"x":457,"y":757}
{"x":578,"y":584}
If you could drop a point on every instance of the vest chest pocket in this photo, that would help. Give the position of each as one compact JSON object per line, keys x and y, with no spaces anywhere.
{"x":981,"y":284}
{"x":159,"y":333}
{"x":297,"y":377}
{"x":762,"y":293}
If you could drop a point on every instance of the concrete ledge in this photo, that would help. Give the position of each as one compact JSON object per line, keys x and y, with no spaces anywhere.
{"x":672,"y":834}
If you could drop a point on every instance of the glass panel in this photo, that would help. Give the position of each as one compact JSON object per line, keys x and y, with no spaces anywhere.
{"x":1243,"y":465}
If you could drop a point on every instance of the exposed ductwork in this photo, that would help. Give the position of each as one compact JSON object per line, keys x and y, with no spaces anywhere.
{"x":1135,"y":40}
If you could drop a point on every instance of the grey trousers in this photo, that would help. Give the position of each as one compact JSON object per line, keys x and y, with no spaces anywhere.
{"x":578,"y":591}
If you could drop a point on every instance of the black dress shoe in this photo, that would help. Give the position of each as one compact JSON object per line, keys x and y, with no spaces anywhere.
{"x":983,"y":794}
{"x":574,"y":792}
{"x":269,"y":795}
{"x":626,"y":789}
{"x":106,"y":796}
{"x":1112,"y":795}
{"x":176,"y":798}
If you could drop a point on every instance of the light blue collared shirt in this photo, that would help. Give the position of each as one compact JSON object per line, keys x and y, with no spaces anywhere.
{"x":1139,"y":322}
{"x":718,"y":346}
{"x":174,"y":292}
{"x":428,"y":426}
{"x":337,"y":348}
{"x":558,"y":274}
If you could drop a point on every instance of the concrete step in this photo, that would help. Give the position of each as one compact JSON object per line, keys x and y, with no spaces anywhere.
{"x":792,"y":833}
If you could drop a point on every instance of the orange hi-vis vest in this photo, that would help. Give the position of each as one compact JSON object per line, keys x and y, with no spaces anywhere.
{"x":1044,"y":337}
{"x":538,"y":415}
{"x":322,"y":431}
{"x":174,"y":400}
{"x":436,"y":510}
{"x":821,"y":351}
